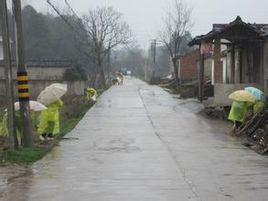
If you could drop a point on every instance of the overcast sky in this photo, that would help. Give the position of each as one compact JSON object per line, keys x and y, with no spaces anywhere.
{"x":145,"y":16}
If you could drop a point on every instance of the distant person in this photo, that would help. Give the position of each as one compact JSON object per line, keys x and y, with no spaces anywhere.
{"x":91,"y":94}
{"x":121,"y":78}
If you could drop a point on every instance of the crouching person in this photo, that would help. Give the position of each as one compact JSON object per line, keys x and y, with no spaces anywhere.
{"x":49,"y":121}
{"x":238,"y":114}
{"x":91,"y":94}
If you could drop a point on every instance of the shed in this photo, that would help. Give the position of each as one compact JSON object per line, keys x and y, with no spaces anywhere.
{"x":240,"y":54}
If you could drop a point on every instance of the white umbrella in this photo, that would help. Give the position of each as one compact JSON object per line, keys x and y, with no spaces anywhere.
{"x":52,"y":93}
{"x":34,"y":105}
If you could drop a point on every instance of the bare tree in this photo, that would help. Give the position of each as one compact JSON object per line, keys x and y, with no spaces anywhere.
{"x":176,"y":24}
{"x":106,"y":30}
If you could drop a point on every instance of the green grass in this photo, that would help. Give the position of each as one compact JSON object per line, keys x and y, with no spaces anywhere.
{"x":23,"y":156}
{"x":69,"y":125}
{"x":27,"y":156}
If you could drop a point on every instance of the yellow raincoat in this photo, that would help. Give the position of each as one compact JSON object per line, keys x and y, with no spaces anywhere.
{"x":3,"y":127}
{"x":91,"y":93}
{"x":258,"y":107}
{"x":18,"y":125}
{"x":50,"y":119}
{"x":238,"y":111}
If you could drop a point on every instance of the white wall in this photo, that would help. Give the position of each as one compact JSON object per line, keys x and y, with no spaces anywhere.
{"x":224,"y":70}
{"x":212,"y":72}
{"x":1,"y":50}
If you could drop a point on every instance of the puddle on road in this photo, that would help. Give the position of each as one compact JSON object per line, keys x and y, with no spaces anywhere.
{"x":70,"y":138}
{"x":116,"y":145}
{"x":15,"y":182}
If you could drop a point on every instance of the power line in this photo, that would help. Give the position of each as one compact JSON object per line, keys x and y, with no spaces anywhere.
{"x":81,"y":37}
{"x":63,"y":17}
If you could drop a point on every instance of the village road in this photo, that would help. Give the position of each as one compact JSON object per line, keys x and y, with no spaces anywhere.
{"x":139,"y":143}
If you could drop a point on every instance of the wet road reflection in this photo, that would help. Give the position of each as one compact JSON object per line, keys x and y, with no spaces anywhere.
{"x":141,"y":143}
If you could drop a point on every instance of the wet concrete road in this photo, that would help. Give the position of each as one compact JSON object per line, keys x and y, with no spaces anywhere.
{"x":140,"y":144}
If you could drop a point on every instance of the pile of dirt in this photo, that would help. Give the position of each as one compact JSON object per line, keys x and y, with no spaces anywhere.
{"x":216,"y":112}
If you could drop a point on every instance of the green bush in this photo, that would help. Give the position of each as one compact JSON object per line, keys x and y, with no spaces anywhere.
{"x":75,"y":74}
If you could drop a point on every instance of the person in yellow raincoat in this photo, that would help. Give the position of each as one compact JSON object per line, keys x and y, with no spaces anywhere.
{"x":3,"y":126}
{"x":258,"y":107}
{"x":238,"y":112}
{"x":91,"y":94}
{"x":18,"y":126}
{"x":49,"y":121}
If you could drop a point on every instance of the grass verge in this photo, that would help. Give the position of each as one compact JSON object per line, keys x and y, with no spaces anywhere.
{"x":73,"y":111}
{"x":23,"y":156}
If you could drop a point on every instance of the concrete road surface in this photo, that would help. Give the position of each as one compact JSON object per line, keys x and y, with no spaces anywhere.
{"x":139,"y":143}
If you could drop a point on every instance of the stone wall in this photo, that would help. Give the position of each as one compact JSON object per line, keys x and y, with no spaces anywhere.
{"x":41,"y":77}
{"x":38,"y":73}
{"x":36,"y":86}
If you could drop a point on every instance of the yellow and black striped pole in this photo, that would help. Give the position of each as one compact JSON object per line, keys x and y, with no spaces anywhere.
{"x":23,"y":87}
{"x":24,"y":98}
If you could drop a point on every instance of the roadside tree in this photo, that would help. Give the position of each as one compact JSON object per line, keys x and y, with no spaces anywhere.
{"x":177,"y":24}
{"x":106,"y":30}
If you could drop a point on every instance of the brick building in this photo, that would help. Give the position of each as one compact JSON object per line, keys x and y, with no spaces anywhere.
{"x":240,"y":57}
{"x":188,"y":69}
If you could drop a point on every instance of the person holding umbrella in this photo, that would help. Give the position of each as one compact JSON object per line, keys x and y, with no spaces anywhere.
{"x":49,"y":125}
{"x":241,"y":101}
{"x":49,"y":121}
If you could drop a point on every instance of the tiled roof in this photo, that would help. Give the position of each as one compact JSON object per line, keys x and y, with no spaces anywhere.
{"x":257,"y":30}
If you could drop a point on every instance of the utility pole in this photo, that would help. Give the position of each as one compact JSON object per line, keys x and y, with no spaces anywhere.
{"x":153,"y":47}
{"x":22,"y":77}
{"x":154,"y":51}
{"x":201,"y":77}
{"x":109,"y":66}
{"x":8,"y":73}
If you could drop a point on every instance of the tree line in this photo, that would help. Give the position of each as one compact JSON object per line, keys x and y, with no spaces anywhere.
{"x":87,"y":41}
{"x":101,"y":41}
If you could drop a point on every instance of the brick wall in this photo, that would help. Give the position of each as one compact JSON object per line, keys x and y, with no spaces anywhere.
{"x":217,"y":61}
{"x":188,"y":66}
